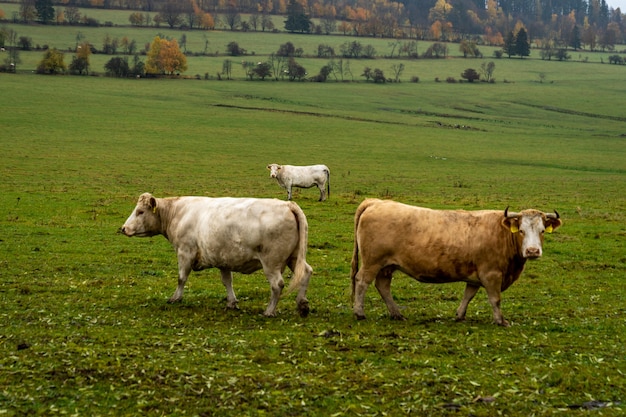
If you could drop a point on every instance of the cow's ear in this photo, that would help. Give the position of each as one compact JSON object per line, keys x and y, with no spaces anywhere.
{"x":552,"y":224}
{"x":153,"y":204}
{"x":511,"y":223}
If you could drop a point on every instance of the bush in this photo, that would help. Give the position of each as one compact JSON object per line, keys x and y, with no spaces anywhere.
{"x":295,"y":71}
{"x":233,"y":49}
{"x":117,"y":67}
{"x":470,"y":75}
{"x":415,"y":79}
{"x":323,"y":75}
{"x":436,"y":50}
{"x":286,"y":50}
{"x":450,"y":80}
{"x":325,"y":51}
{"x":52,"y":62}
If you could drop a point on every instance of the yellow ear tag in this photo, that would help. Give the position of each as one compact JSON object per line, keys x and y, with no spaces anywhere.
{"x":514,"y":229}
{"x":154,"y":209}
{"x":549,"y":229}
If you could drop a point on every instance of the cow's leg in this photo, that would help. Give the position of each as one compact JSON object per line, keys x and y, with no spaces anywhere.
{"x":470,"y":292}
{"x":275,"y":278}
{"x":322,"y":192}
{"x":383,"y":285}
{"x":227,"y":280}
{"x":362,"y":280}
{"x":184,"y":269}
{"x":493,"y":285}
{"x":289,"y":192}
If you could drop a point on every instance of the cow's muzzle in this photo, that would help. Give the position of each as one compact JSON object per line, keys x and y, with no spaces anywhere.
{"x":532,"y":253}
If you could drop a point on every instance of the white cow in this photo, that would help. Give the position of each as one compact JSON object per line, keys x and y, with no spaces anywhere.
{"x":231,"y":234}
{"x":289,"y":176}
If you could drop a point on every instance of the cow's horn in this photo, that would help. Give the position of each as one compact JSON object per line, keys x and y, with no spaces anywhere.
{"x":509,"y":215}
{"x":553,"y":216}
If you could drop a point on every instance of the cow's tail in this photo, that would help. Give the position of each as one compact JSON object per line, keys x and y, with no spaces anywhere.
{"x":355,"y":253}
{"x":327,"y":183}
{"x":301,"y":269}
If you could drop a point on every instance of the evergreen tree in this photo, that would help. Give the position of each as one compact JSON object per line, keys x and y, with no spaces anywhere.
{"x":45,"y":11}
{"x":576,"y":42}
{"x":509,"y":45}
{"x":522,"y":46}
{"x":297,"y":20}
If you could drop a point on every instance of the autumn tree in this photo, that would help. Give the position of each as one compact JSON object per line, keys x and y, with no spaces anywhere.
{"x":136,"y":19}
{"x":52,"y":62}
{"x":27,"y":12}
{"x":165,"y":57}
{"x":80,"y":62}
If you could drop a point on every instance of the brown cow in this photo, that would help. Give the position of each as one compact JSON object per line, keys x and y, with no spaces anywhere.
{"x":485,"y":248}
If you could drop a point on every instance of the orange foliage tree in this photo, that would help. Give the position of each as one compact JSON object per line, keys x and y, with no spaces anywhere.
{"x":165,"y":57}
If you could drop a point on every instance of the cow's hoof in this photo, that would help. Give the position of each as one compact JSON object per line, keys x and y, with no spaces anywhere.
{"x":504,"y":323}
{"x":269,"y":314}
{"x":303,"y":308}
{"x":398,"y":317}
{"x":360,"y":316}
{"x":174,"y":300}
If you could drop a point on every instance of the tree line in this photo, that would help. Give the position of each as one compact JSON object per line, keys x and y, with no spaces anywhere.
{"x":557,"y":23}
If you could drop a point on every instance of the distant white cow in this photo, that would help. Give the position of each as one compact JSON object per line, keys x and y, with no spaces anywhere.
{"x":289,"y":176}
{"x":231,"y":234}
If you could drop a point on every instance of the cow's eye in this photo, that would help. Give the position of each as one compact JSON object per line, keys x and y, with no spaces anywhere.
{"x":139,"y":212}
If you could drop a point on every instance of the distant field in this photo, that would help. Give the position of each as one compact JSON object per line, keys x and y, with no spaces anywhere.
{"x":85,"y":329}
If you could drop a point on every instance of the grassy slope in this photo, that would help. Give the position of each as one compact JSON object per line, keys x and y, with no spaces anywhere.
{"x":85,"y":327}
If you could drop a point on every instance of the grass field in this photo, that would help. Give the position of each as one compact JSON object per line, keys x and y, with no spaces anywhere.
{"x":85,"y":328}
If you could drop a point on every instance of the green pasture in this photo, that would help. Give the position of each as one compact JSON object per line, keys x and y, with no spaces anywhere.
{"x":85,"y":328}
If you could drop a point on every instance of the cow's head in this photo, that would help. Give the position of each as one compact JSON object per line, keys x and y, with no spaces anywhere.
{"x":274,"y":168}
{"x":144,"y":220}
{"x":528,"y":228}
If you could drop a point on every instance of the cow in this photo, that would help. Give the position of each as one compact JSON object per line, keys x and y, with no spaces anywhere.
{"x":289,"y":176}
{"x":233,"y":235}
{"x":486,"y":248}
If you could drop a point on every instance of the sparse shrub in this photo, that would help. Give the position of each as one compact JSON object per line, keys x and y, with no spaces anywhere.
{"x":415,"y":79}
{"x":450,"y":80}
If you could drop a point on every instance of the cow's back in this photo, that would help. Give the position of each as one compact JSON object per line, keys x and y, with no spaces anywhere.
{"x":234,"y":231}
{"x":430,"y":245}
